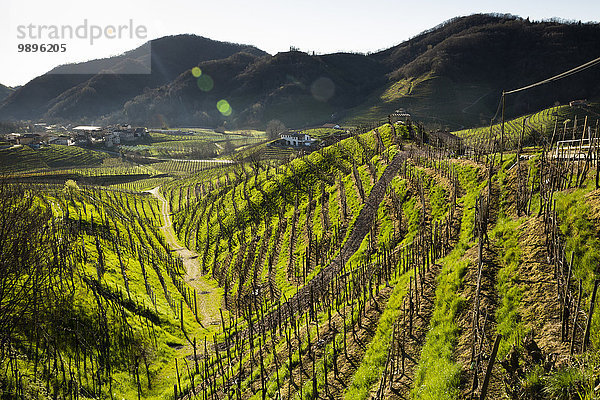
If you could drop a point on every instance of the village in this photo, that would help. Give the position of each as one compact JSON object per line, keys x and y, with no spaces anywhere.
{"x":42,"y":134}
{"x":306,"y":140}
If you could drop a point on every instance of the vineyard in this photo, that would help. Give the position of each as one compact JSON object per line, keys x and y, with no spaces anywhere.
{"x":198,"y":144}
{"x":530,"y":128}
{"x":23,"y":158}
{"x":377,"y":267}
{"x":98,"y":169}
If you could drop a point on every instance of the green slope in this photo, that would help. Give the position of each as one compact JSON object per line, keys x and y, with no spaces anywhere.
{"x":349,"y":272}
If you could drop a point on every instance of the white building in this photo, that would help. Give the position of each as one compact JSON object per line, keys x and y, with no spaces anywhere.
{"x":112,"y":139}
{"x":87,"y":129}
{"x":12,"y":137}
{"x":61,"y":140}
{"x":297,"y":139}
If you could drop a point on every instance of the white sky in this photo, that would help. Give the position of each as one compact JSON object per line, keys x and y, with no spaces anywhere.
{"x":323,"y":26}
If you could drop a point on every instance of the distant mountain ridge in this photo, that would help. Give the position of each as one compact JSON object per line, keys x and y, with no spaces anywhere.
{"x":451,"y":75}
{"x":291,"y":86}
{"x":462,"y":67}
{"x":5,"y":91}
{"x":60,"y":95}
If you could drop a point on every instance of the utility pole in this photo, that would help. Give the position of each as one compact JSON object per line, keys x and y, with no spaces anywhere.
{"x":502,"y":129}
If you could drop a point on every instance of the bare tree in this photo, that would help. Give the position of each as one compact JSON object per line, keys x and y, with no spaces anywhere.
{"x":274,"y":128}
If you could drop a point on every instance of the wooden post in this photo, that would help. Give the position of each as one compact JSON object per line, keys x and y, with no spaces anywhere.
{"x":502,"y":129}
{"x":196,"y":358}
{"x":195,"y":306}
{"x":575,"y":318}
{"x":566,"y":300}
{"x":488,"y":372}
{"x":586,"y":337}
{"x":178,"y":378}
{"x":181,"y":315}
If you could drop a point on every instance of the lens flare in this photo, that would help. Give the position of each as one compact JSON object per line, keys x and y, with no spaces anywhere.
{"x":322,"y":89}
{"x":196,"y":72}
{"x":224,"y":107}
{"x":205,"y":83}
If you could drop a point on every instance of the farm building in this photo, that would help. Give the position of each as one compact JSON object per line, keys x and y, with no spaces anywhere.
{"x":61,"y":140}
{"x":12,"y":137}
{"x":297,"y":139}
{"x":29,"y":138}
{"x":112,"y":139}
{"x":399,"y":116}
{"x":576,"y":103}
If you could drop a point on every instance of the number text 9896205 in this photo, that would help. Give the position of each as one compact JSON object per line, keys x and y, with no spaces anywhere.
{"x":41,"y":48}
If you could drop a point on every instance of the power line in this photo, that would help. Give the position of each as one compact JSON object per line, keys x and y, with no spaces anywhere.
{"x":562,"y":75}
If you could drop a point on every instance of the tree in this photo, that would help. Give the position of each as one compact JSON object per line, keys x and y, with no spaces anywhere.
{"x":274,"y":128}
{"x":71,"y":187}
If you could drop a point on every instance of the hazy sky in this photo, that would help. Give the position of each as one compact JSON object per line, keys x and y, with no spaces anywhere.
{"x":323,"y":26}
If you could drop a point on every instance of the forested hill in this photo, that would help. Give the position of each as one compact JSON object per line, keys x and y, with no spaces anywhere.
{"x":73,"y":92}
{"x":451,"y":75}
{"x":456,"y":72}
{"x":5,"y":91}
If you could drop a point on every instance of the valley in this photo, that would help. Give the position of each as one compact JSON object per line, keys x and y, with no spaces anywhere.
{"x":420,"y":222}
{"x":375,"y":267}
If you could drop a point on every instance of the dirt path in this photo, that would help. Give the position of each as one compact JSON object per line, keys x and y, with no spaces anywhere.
{"x":210,"y":296}
{"x":402,"y":382}
{"x":540,"y":310}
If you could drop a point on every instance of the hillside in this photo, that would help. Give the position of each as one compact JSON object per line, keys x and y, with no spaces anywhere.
{"x":63,"y":95}
{"x":372,"y":268}
{"x":450,"y":76}
{"x":454,"y":75}
{"x":5,"y":91}
{"x":541,"y":128}
{"x":294,"y":87}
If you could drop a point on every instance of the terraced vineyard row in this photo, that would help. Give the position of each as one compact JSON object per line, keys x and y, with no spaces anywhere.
{"x":557,"y":123}
{"x":120,"y":273}
{"x":422,"y":265}
{"x":23,"y":158}
{"x":304,"y":282}
{"x":372,"y":268}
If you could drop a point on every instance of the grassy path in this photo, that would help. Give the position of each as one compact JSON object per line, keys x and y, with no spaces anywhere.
{"x":210,"y":296}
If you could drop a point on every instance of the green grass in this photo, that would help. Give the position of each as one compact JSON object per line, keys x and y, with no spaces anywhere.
{"x":439,"y":202}
{"x":319,"y":133}
{"x":582,"y":238}
{"x":373,"y":362}
{"x":438,"y":374}
{"x":508,"y":315}
{"x":142,"y":184}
